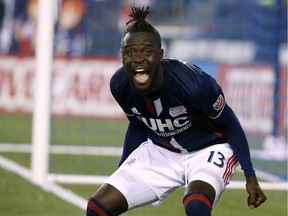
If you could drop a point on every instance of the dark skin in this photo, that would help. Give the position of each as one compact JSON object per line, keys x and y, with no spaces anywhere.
{"x":141,"y":54}
{"x":141,"y":57}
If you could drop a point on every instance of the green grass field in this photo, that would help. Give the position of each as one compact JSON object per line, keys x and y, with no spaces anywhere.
{"x":20,"y":197}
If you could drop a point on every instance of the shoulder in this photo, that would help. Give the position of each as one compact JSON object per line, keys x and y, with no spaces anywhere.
{"x":118,"y":81}
{"x":120,"y":87}
{"x":187,"y":76}
{"x":191,"y":82}
{"x":182,"y":70}
{"x":175,"y":63}
{"x":122,"y":91}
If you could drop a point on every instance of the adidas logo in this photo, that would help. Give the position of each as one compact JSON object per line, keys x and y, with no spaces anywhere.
{"x":135,"y":111}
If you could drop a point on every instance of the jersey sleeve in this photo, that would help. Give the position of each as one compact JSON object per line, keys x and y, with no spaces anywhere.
{"x":229,"y":124}
{"x":213,"y":96}
{"x":211,"y":102}
{"x":135,"y":135}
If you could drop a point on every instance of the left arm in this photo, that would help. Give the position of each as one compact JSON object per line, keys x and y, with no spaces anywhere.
{"x":211,"y":101}
{"x":230,"y":126}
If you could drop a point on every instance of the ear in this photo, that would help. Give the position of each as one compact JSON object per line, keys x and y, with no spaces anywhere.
{"x":161,"y":54}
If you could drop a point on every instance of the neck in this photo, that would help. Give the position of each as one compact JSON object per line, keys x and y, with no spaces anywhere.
{"x":157,"y":85}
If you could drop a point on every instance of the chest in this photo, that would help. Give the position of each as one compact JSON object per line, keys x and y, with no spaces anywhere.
{"x":161,"y":116}
{"x":163,"y":107}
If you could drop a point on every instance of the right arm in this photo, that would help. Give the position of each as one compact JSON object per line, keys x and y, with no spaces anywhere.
{"x":136,"y":132}
{"x":135,"y":135}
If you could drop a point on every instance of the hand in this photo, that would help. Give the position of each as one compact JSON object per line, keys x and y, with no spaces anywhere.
{"x":256,"y":195}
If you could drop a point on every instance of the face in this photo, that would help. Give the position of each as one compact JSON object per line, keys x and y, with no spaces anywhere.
{"x":141,"y":58}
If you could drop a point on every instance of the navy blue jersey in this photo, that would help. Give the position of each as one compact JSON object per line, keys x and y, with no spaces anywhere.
{"x":188,"y":114}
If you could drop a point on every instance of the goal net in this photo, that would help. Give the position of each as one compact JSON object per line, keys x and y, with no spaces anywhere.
{"x":58,"y":117}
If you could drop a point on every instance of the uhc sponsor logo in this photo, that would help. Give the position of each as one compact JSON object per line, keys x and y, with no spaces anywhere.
{"x":167,"y":127}
{"x":176,"y":111}
{"x":219,"y":103}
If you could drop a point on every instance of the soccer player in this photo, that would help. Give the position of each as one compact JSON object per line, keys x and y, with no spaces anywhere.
{"x":181,"y":132}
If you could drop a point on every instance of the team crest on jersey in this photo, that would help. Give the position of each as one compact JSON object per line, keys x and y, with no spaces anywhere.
{"x":176,"y":111}
{"x":219,"y":103}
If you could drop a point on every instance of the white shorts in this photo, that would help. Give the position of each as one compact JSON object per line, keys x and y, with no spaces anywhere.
{"x":151,"y":172}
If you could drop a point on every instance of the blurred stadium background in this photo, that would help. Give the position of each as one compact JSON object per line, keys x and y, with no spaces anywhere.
{"x":242,"y":43}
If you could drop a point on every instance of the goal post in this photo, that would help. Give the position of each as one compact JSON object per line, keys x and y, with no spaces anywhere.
{"x":42,"y":85}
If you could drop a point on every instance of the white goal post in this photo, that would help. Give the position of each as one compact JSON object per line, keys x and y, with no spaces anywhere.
{"x":42,"y":86}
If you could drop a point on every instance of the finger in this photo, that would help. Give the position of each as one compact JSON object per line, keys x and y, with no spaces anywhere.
{"x":249,"y":203}
{"x":260,"y":199}
{"x":252,"y":200}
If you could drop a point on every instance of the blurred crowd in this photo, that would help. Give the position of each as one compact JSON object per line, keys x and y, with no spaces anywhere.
{"x":94,"y":28}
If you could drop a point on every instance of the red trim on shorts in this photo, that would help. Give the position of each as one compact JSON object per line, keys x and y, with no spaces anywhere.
{"x":96,"y":209}
{"x":229,"y":168}
{"x":197,"y":196}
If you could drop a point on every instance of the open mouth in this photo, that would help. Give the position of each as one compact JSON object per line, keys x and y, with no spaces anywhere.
{"x":141,"y":76}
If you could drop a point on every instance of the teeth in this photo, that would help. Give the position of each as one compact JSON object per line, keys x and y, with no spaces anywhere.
{"x":140,"y":70}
